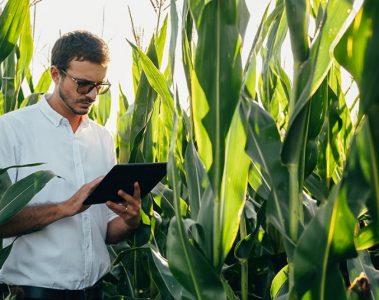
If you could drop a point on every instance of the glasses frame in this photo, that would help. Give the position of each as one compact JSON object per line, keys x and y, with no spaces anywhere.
{"x":101,"y":87}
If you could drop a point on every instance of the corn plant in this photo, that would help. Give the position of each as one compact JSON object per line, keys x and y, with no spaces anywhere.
{"x":272,"y":186}
{"x":307,"y":184}
{"x":15,"y":56}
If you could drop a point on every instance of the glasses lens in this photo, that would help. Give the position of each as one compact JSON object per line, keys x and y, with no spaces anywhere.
{"x":84,"y":87}
{"x":102,"y":88}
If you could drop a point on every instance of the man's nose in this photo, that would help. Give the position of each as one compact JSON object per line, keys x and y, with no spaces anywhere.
{"x":92,"y":93}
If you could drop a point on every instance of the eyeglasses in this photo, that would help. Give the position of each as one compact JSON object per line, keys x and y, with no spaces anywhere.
{"x":85,"y":86}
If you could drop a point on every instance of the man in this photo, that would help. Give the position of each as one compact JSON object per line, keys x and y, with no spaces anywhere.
{"x":60,"y":250}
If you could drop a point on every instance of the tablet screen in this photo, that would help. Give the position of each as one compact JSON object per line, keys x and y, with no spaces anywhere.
{"x":123,"y":176}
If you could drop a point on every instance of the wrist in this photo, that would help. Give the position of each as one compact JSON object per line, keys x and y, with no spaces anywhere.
{"x":62,"y":210}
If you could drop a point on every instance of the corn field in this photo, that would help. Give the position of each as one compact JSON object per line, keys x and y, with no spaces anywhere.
{"x":272,"y":187}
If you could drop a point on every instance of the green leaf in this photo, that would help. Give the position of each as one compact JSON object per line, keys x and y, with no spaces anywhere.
{"x":361,"y":40}
{"x":234,"y":183}
{"x":173,"y":39}
{"x":155,"y":78}
{"x":279,"y":283}
{"x":263,"y":147}
{"x":190,"y":267}
{"x":160,"y":125}
{"x":21,"y":192}
{"x":186,"y":262}
{"x":5,"y":182}
{"x":312,"y":73}
{"x":197,"y":179}
{"x":44,"y":82}
{"x":26,"y":50}
{"x":8,"y":87}
{"x":331,"y":231}
{"x":124,"y":145}
{"x":4,"y":253}
{"x":11,"y":23}
{"x":298,"y":19}
{"x":216,"y":81}
{"x":160,"y":41}
{"x":162,"y":265}
{"x":367,"y":238}
{"x":104,"y":107}
{"x":143,"y":103}
{"x":358,"y":53}
{"x":362,"y":265}
{"x":308,"y":76}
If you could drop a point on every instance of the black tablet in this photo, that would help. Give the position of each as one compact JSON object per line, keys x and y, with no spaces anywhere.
{"x":122,"y":177}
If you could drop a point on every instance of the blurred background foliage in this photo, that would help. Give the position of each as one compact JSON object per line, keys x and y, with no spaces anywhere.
{"x":273,"y":180}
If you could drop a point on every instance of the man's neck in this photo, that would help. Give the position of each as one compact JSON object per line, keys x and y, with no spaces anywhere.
{"x":57,"y":105}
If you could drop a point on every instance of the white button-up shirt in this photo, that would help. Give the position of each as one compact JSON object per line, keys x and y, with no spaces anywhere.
{"x":70,"y":253}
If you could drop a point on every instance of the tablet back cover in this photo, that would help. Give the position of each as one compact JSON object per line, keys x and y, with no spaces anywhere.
{"x":123,"y":176}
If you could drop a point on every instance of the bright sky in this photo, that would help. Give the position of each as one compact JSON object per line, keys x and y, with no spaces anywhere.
{"x":110,"y":19}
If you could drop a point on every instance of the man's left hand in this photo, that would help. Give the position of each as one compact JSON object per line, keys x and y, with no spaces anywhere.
{"x":129,"y":209}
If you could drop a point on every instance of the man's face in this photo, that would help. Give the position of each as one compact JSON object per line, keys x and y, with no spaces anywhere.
{"x":74,"y":102}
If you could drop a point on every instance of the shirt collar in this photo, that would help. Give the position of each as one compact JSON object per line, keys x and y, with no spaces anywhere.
{"x":49,"y":112}
{"x":54,"y":117}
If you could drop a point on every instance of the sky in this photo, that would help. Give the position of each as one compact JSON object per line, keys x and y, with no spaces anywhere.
{"x":110,"y":19}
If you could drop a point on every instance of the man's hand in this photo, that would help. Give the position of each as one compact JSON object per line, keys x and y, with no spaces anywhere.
{"x":74,"y":205}
{"x":129,"y":209}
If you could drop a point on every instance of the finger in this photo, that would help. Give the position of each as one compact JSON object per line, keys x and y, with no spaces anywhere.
{"x":124,"y":195}
{"x":137,"y":191}
{"x":118,"y":208}
{"x":95,"y":182}
{"x":131,"y":201}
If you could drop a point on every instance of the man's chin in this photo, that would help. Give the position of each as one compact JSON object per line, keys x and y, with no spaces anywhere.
{"x":84,"y":109}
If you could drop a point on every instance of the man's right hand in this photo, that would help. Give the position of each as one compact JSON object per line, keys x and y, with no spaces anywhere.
{"x":74,"y":205}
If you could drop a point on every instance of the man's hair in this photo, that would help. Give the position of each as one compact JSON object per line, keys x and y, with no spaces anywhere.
{"x":79,"y":45}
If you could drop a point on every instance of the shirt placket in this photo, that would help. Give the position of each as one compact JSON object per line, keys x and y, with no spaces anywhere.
{"x":85,"y":219}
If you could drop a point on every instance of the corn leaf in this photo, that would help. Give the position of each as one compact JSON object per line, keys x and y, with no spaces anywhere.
{"x":197,"y":179}
{"x":21,"y":192}
{"x":173,"y":39}
{"x":11,"y":23}
{"x":361,"y":42}
{"x":163,"y":109}
{"x":234,"y":183}
{"x":8,"y":87}
{"x":186,"y":262}
{"x":44,"y":82}
{"x":160,"y":41}
{"x":4,"y":252}
{"x":263,"y":147}
{"x":216,"y":83}
{"x":26,"y":49}
{"x":308,"y":76}
{"x":312,"y":73}
{"x":367,"y":237}
{"x":331,"y":231}
{"x":161,"y":263}
{"x":362,"y":265}
{"x":104,"y":107}
{"x":143,"y":105}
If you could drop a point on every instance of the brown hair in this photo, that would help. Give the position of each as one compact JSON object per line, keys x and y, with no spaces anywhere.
{"x":79,"y":45}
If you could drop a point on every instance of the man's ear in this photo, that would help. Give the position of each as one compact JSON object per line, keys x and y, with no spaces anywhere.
{"x":55,"y":74}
